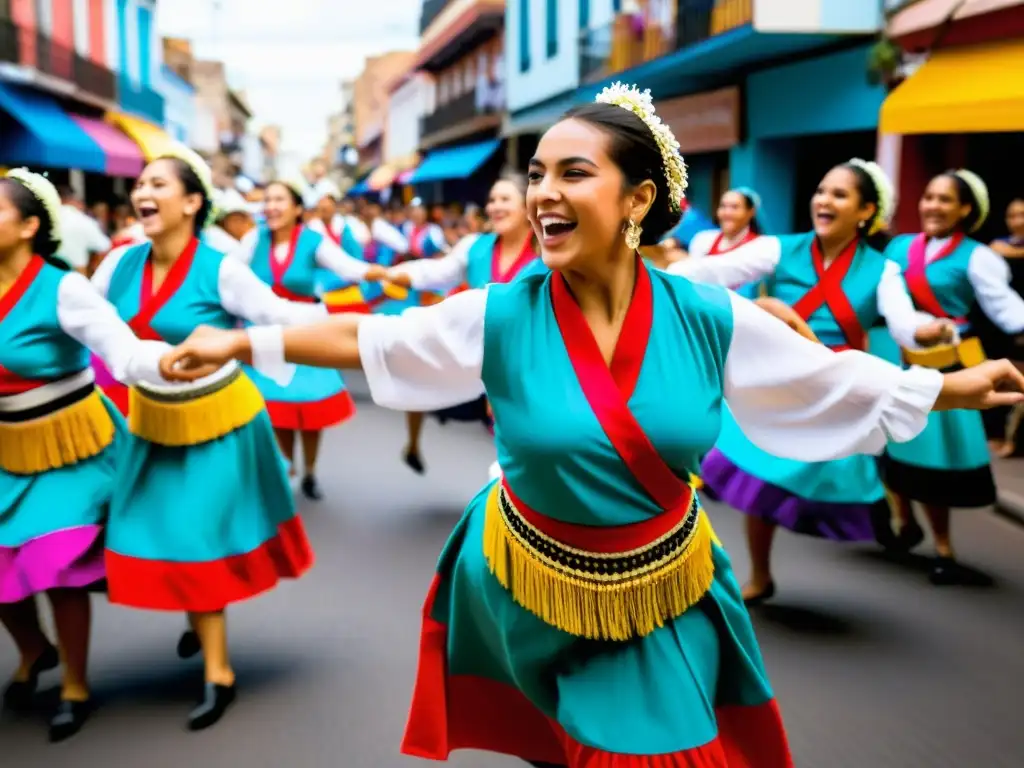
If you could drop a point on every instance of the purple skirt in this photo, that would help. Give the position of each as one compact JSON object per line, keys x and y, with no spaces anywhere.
{"x":726,"y":482}
{"x":67,"y":559}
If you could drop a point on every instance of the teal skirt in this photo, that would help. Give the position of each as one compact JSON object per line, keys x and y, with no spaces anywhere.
{"x":51,"y":523}
{"x":494,"y":677}
{"x":197,"y":528}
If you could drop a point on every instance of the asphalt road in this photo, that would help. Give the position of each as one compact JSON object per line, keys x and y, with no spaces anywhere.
{"x":874,"y":668}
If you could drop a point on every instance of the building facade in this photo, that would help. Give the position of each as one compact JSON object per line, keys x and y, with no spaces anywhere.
{"x":411,"y":98}
{"x":370,"y":95}
{"x":139,"y":53}
{"x":179,"y":105}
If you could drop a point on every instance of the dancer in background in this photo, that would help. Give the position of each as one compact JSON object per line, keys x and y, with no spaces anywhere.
{"x":327,"y":220}
{"x":426,"y":239}
{"x":583,"y":613}
{"x":737,"y":221}
{"x":232,"y":221}
{"x":287,"y":255}
{"x":203,"y":515}
{"x":836,"y":282}
{"x":508,"y":253}
{"x":61,"y":443}
{"x":948,"y":273}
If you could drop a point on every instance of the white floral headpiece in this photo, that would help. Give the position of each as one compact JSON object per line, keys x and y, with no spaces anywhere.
{"x":45,"y":193}
{"x":295,"y":184}
{"x":886,"y":193}
{"x":980,"y":191}
{"x":200,"y":168}
{"x":641,"y":104}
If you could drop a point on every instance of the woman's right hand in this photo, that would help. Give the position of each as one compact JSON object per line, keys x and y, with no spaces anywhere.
{"x":398,"y":277}
{"x":203,"y":353}
{"x":935,"y":332}
{"x":375,"y":274}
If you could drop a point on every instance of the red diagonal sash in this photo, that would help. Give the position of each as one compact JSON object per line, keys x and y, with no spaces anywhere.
{"x":335,"y":236}
{"x":716,"y":247}
{"x":526,"y":255}
{"x":417,"y":240}
{"x":149,"y":302}
{"x":916,"y":275}
{"x":13,"y":295}
{"x":279,"y":268}
{"x":829,"y":292}
{"x":608,"y":388}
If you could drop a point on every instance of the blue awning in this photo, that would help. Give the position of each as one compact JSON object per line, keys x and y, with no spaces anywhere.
{"x":44,"y":134}
{"x":455,"y":162}
{"x":361,"y":188}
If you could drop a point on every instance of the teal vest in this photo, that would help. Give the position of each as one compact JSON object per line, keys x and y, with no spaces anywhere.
{"x":197,"y":302}
{"x":480,"y":267}
{"x":32,"y":343}
{"x":795,"y":276}
{"x":947,"y":276}
{"x":552,"y":450}
{"x":300,"y":277}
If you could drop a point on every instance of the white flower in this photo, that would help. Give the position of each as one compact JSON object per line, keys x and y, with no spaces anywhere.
{"x":45,"y":193}
{"x":886,"y":193}
{"x":641,"y":104}
{"x":980,"y":192}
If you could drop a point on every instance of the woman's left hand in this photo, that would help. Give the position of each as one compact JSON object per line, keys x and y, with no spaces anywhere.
{"x":992,"y":384}
{"x":203,"y":353}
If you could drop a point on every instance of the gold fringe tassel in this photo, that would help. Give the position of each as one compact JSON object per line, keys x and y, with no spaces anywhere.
{"x":344,"y":296}
{"x":192,"y":422}
{"x":967,"y":353}
{"x":594,"y":609}
{"x":72,"y":434}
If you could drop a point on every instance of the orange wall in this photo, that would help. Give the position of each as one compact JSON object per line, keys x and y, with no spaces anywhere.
{"x":97,"y":32}
{"x":63,"y":31}
{"x":23,"y":14}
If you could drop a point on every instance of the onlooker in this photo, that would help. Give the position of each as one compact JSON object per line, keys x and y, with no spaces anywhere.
{"x":82,"y":236}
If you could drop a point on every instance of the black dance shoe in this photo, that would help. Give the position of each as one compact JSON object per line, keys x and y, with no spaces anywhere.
{"x":188,"y":644}
{"x":761,"y":597}
{"x":311,"y":488}
{"x":215,"y":702}
{"x":18,"y":695}
{"x":414,"y":462}
{"x":68,"y":720}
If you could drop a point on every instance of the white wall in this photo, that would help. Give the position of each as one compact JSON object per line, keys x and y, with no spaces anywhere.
{"x":80,"y":13}
{"x":545,"y":77}
{"x":828,"y":16}
{"x":409,"y":102}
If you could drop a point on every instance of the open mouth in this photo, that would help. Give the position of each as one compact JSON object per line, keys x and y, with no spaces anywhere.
{"x":824,"y":217}
{"x":148,"y":212}
{"x":555,"y":229}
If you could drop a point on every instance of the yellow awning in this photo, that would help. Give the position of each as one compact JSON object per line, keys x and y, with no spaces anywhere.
{"x":153,"y":141}
{"x":975,"y":89}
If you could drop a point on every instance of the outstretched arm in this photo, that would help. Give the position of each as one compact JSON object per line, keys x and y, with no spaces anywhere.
{"x":747,"y":263}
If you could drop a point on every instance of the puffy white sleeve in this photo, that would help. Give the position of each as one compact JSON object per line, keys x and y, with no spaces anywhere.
{"x":331,"y":257}
{"x":990,"y":277}
{"x":101,"y":277}
{"x":362,"y":234}
{"x":427,"y":358}
{"x":91,"y":320}
{"x":442,"y":273}
{"x":246,"y":248}
{"x":386,"y":234}
{"x":701,"y":243}
{"x":740,"y":266}
{"x":245,"y":296}
{"x":896,"y":306}
{"x":797,"y":399}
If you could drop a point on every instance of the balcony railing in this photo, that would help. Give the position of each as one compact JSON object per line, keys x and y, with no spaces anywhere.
{"x":431,"y":10}
{"x":140,"y":100}
{"x":632,"y":40}
{"x":31,"y":48}
{"x":461,"y":109}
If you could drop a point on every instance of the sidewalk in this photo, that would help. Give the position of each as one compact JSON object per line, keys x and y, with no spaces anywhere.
{"x":1010,"y":482}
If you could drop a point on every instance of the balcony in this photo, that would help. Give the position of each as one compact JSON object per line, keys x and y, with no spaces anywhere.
{"x":630,"y":41}
{"x":476,"y":110}
{"x":431,"y":10}
{"x":140,"y":100}
{"x":457,"y":28}
{"x":32,"y":49}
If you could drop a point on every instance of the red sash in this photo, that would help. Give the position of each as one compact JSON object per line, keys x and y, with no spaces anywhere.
{"x":331,"y":234}
{"x":829,"y":292}
{"x":716,"y":246}
{"x":150,"y":303}
{"x":917,"y":279}
{"x":608,"y":390}
{"x":278,"y":269}
{"x":526,"y":255}
{"x":417,"y":239}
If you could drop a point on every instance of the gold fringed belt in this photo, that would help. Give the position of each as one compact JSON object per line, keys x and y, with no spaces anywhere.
{"x":966,"y":354}
{"x":599,"y":595}
{"x":53,"y":425}
{"x":194,"y":415}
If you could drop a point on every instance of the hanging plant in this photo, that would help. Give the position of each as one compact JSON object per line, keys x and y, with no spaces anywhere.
{"x":884,"y":60}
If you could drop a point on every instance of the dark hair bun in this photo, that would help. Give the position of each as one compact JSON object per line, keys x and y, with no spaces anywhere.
{"x":633,"y":149}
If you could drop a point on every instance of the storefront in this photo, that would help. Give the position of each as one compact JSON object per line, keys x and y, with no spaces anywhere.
{"x":802,"y":119}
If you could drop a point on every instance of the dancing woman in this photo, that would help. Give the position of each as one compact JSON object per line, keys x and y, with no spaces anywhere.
{"x":506,"y":254}
{"x":288,"y":256}
{"x":60,"y":443}
{"x":203,"y":515}
{"x":948,"y":273}
{"x":584,"y":613}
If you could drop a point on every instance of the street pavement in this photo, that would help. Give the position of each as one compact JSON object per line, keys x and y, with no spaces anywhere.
{"x":873,"y":667}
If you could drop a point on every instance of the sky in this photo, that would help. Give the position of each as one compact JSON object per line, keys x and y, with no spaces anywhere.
{"x":290,"y":57}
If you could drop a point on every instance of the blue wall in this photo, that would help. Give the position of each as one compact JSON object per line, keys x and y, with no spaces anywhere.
{"x":145,"y":47}
{"x":700,"y":172}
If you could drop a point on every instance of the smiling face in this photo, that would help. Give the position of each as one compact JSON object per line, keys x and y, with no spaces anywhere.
{"x":506,"y":207}
{"x":1015,"y":218}
{"x":280,"y":208}
{"x":837,"y":208}
{"x":161,"y":201}
{"x":15,"y":229}
{"x":941,"y":208}
{"x":577,"y":199}
{"x":734,"y":213}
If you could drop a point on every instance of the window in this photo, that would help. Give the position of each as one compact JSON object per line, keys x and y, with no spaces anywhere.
{"x":616,"y":6}
{"x":584,"y":14}
{"x":524,"y":35}
{"x":552,"y":22}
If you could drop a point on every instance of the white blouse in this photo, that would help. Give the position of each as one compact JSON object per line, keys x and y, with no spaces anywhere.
{"x":790,"y":396}
{"x":242,"y":294}
{"x":441,"y":273}
{"x":434,"y":233}
{"x":328,"y":255}
{"x":701,"y":243}
{"x":387,"y":234}
{"x":759,"y":258}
